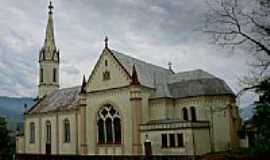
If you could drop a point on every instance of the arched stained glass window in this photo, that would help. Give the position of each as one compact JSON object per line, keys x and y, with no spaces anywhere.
{"x":108,"y":125}
{"x":54,"y":74}
{"x":185,"y":114}
{"x":48,"y":132}
{"x":66,"y":131}
{"x":193,"y":114}
{"x":41,"y":75}
{"x":32,"y":133}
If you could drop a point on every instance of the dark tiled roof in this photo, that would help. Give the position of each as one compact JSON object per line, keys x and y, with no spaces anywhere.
{"x":174,"y":85}
{"x":62,"y":99}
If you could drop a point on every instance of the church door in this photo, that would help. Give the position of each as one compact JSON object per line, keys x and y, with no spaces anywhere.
{"x":48,"y":138}
{"x":48,"y":148}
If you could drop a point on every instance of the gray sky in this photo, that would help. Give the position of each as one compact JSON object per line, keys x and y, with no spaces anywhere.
{"x":157,"y":31}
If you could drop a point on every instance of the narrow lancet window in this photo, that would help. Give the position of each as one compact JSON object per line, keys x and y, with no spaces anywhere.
{"x":185,"y":114}
{"x":54,"y":74}
{"x":193,"y":114}
{"x":66,"y":131}
{"x":41,"y":75}
{"x":32,"y":133}
{"x":48,"y":132}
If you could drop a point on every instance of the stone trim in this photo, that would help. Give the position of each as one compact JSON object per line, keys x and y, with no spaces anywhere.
{"x":179,"y":98}
{"x":173,"y":126}
{"x":135,"y":98}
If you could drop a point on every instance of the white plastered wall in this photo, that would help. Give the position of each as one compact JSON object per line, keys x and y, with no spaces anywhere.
{"x":73,"y":146}
{"x":208,"y":108}
{"x":31,"y":147}
{"x":155,"y":138}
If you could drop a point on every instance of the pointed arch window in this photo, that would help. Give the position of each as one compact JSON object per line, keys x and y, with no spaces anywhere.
{"x":54,"y":74}
{"x":193,"y":114}
{"x":48,"y":132}
{"x":108,"y":125}
{"x":32,"y":133}
{"x":185,"y":114}
{"x":66,"y":131}
{"x":41,"y":75}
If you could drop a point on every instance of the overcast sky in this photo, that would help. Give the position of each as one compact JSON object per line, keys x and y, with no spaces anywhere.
{"x":157,"y":31}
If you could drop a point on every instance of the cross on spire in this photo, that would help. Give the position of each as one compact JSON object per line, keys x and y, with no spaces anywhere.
{"x":50,"y":7}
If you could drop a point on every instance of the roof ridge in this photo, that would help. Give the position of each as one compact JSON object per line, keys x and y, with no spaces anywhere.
{"x":194,"y":70}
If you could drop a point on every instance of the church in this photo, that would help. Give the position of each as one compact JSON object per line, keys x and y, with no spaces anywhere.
{"x":124,"y":103}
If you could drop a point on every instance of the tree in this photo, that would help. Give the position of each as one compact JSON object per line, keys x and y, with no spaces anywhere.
{"x":7,"y":144}
{"x":262,"y":118}
{"x":245,"y":24}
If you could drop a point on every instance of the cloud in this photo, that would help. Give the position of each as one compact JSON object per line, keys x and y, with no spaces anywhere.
{"x":157,"y":31}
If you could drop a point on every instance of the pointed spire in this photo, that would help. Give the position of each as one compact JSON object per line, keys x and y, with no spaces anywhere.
{"x":106,"y":40}
{"x":134,"y":77}
{"x":83,"y":85}
{"x":49,"y":39}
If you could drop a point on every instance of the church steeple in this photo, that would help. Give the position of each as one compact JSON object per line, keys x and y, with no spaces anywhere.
{"x":49,"y":59}
{"x":49,"y":39}
{"x":49,"y":50}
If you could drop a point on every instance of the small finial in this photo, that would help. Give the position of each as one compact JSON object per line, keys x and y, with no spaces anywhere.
{"x":50,"y":8}
{"x":106,"y":41}
{"x":170,"y":65}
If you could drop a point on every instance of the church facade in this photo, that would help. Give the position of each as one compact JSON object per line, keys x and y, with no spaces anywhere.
{"x":125,"y":102}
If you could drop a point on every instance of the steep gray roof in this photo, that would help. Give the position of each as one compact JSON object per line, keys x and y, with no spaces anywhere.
{"x":199,"y":87}
{"x":62,"y":99}
{"x":174,"y":85}
{"x":190,"y":75}
{"x":149,"y":75}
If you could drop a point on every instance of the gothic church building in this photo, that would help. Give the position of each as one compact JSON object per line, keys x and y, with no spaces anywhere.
{"x":125,"y":102}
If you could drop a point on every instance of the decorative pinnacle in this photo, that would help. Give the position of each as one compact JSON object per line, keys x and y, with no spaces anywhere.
{"x":106,"y":40}
{"x":50,"y":8}
{"x":83,"y":85}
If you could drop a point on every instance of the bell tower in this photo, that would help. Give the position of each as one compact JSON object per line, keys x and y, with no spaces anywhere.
{"x":49,"y":59}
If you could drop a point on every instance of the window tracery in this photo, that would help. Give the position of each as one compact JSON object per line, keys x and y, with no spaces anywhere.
{"x":108,"y":125}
